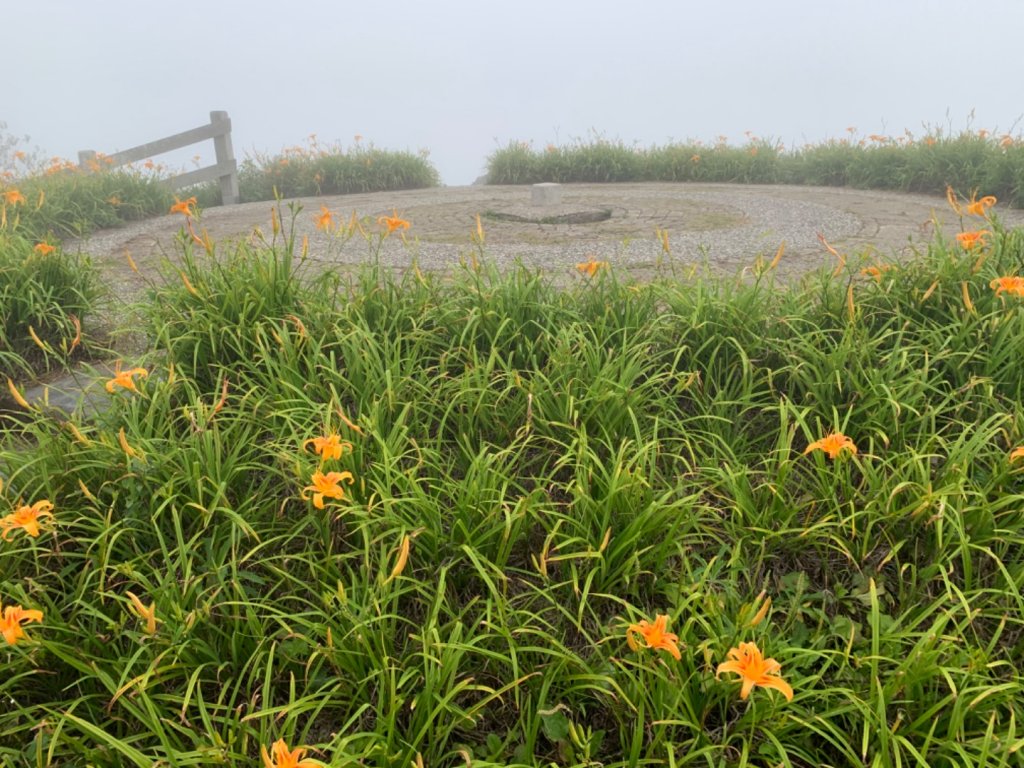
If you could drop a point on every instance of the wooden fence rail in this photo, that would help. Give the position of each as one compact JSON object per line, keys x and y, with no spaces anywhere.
{"x":225,"y":169}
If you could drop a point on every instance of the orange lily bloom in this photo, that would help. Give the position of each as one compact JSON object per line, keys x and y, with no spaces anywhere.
{"x":1012,"y":285}
{"x":329,"y":447}
{"x":12,"y":619}
{"x":654,"y":636}
{"x":832,"y":444}
{"x":26,"y":518}
{"x":325,"y":221}
{"x":969,"y":240}
{"x":13,"y":197}
{"x":1017,"y":453}
{"x":327,"y":485}
{"x":185,"y":207}
{"x":876,"y":271}
{"x":44,"y":248}
{"x":591,"y":267}
{"x":980,"y":207}
{"x":754,"y":669}
{"x":286,"y":758}
{"x":125,"y":378}
{"x":393,"y":222}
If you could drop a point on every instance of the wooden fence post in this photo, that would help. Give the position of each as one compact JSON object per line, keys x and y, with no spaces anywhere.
{"x":225,"y":157}
{"x":225,"y":170}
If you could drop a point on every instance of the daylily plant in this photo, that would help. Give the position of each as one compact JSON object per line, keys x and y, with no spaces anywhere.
{"x":754,"y":669}
{"x":125,"y":379}
{"x":186,"y":207}
{"x":969,"y":240}
{"x":1012,"y":285}
{"x":591,"y":267}
{"x":393,"y":222}
{"x":325,"y":221}
{"x":832,"y":444}
{"x":654,"y":636}
{"x":286,"y":758}
{"x":329,"y":447}
{"x":327,"y":485}
{"x":980,"y":207}
{"x":27,"y":518}
{"x":11,"y":619}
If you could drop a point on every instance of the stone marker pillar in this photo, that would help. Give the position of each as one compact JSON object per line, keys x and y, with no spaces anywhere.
{"x":546,"y":194}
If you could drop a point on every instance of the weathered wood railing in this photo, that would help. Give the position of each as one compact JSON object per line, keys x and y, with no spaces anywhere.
{"x":225,"y":169}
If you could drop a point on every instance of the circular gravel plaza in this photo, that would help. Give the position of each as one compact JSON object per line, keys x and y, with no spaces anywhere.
{"x":724,"y":227}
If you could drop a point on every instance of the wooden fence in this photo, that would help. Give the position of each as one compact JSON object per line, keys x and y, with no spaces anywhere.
{"x":225,"y":169}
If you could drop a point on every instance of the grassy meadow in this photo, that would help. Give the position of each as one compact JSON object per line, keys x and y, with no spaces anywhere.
{"x":496,"y":519}
{"x":906,"y":163}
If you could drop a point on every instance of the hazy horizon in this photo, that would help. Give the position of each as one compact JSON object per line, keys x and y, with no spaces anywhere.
{"x":461,"y":79}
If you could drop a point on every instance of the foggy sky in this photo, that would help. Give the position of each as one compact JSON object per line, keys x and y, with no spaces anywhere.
{"x":461,"y":78}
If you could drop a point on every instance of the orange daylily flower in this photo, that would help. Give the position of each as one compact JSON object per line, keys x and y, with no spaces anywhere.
{"x":1017,"y":453}
{"x":754,"y":669}
{"x":590,"y":268}
{"x":327,"y":485}
{"x":147,"y":614}
{"x":185,"y":207}
{"x":325,"y":221}
{"x":832,"y":444}
{"x":13,"y":197}
{"x":980,"y":207}
{"x":125,"y":378}
{"x":969,"y":240}
{"x":26,"y":518}
{"x":876,"y":271}
{"x":654,"y":636}
{"x":1012,"y":285}
{"x":393,"y":222}
{"x":329,"y":447}
{"x":44,"y":248}
{"x":12,"y":619}
{"x":286,"y":758}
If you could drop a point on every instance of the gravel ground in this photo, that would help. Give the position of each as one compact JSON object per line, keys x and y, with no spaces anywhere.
{"x":725,"y":226}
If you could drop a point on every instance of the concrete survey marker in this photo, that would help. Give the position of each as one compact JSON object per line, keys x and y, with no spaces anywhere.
{"x":546,"y":194}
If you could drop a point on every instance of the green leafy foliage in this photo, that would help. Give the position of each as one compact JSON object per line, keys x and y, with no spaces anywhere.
{"x":906,"y":163}
{"x":314,"y":169}
{"x":558,"y":461}
{"x":48,"y":295}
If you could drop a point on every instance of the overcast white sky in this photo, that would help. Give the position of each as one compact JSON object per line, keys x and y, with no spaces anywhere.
{"x":462,"y":77}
